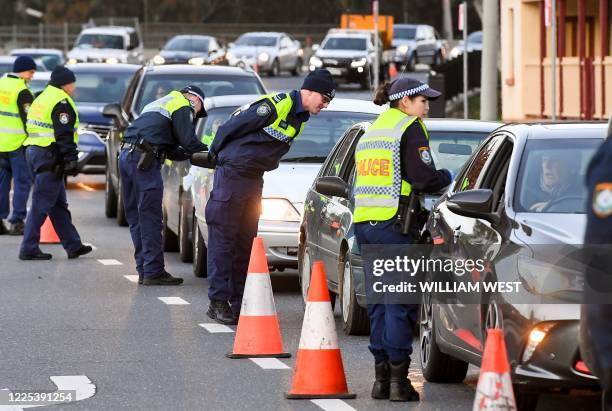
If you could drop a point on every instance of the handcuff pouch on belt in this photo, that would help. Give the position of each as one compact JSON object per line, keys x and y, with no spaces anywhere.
{"x":411,"y":216}
{"x":149,"y":153}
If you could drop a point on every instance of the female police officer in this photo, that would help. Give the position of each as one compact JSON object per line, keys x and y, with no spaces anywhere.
{"x":398,"y":138}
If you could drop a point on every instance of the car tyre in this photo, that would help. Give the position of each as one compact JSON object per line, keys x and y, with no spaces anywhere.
{"x":355,"y":320}
{"x":275,"y":68}
{"x":298,"y":68}
{"x":304,"y":271}
{"x":169,"y":239}
{"x":199,"y":251}
{"x":185,"y":243}
{"x":110,"y":196}
{"x":121,"y":220}
{"x":412,"y":62}
{"x":436,"y":365}
{"x":437,"y":62}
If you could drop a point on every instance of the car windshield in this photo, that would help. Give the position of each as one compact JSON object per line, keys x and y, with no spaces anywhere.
{"x":451,"y":150}
{"x":37,"y":85}
{"x":405,"y":33}
{"x":6,"y":68}
{"x":50,"y":61}
{"x":100,"y":41}
{"x":157,"y":86}
{"x":552,"y":175}
{"x":105,"y":87}
{"x":344,"y":43}
{"x":187,"y":44}
{"x":259,"y":41}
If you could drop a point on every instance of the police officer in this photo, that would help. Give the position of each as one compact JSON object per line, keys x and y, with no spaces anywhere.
{"x":596,"y":324}
{"x":165,"y":129}
{"x":15,"y":100}
{"x":399,"y":139}
{"x":249,"y":143}
{"x":51,"y":153}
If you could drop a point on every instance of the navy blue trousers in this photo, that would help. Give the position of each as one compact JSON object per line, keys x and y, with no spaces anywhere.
{"x":232,"y":216}
{"x":48,"y":199}
{"x":13,"y":166}
{"x":142,"y":193}
{"x":391,"y":324}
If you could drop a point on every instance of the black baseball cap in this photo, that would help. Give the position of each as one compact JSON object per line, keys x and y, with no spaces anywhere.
{"x":196,"y":91}
{"x":320,"y":81}
{"x":405,"y":86}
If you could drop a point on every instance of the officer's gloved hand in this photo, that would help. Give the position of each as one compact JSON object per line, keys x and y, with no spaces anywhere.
{"x":178,"y":154}
{"x":203,"y":159}
{"x":71,"y":168}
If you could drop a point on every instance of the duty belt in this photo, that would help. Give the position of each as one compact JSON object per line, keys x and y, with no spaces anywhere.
{"x":144,"y":146}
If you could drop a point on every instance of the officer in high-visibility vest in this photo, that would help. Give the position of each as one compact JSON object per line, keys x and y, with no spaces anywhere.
{"x":51,"y":153}
{"x":165,"y":129}
{"x":596,"y":322}
{"x":390,"y":157}
{"x":249,"y":143}
{"x":15,"y":100}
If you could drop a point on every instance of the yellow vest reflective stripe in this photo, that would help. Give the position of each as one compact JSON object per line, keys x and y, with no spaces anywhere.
{"x":167,"y":104}
{"x":378,"y":182}
{"x":12,"y":132}
{"x":40,"y":123}
{"x":280,"y":129}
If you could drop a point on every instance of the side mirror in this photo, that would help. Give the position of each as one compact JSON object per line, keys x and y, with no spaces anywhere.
{"x":203,"y":159}
{"x":332,"y":186}
{"x":473,"y":203}
{"x":315,"y":47}
{"x":114,"y":110}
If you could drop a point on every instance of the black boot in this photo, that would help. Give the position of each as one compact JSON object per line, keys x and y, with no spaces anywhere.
{"x":163,"y":279}
{"x":17,"y":228}
{"x":400,"y":388}
{"x":3,"y":229}
{"x":221,"y":312}
{"x":380,"y":390}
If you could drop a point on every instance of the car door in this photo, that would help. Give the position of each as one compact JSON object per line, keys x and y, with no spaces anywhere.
{"x":456,"y":236}
{"x":284,"y":53}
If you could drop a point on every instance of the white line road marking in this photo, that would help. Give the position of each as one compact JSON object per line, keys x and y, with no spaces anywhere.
{"x":110,"y":262}
{"x":333,"y":405}
{"x":216,"y":328}
{"x":82,"y":386}
{"x":270,"y":363}
{"x":132,"y":278}
{"x":173,"y":300}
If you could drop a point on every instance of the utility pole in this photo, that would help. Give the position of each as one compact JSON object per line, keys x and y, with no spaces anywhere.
{"x":463,"y":27}
{"x":376,"y":48}
{"x":447,"y":19}
{"x":490,"y":50}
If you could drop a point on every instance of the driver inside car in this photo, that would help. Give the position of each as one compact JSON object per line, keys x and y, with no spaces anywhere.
{"x":558,"y":178}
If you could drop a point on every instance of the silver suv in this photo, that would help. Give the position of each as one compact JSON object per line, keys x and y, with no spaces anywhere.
{"x":107,"y":44}
{"x":267,"y":52}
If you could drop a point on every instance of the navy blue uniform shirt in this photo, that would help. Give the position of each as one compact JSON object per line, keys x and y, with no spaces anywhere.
{"x":241,"y":144}
{"x":64,"y":117}
{"x":168,"y":134}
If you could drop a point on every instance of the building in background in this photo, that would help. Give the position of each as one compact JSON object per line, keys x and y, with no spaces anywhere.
{"x":584,"y":64}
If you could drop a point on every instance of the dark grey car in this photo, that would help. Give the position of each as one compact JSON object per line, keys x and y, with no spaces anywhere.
{"x":326,"y":231}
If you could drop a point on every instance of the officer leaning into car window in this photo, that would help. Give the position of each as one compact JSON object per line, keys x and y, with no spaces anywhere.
{"x":51,"y":153}
{"x":597,"y":318}
{"x":397,"y":134}
{"x":165,"y":129}
{"x":249,"y":143}
{"x":15,"y":101}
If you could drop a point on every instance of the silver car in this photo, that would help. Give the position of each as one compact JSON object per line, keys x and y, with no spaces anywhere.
{"x":107,"y":44}
{"x":267,"y":52}
{"x":284,"y":188}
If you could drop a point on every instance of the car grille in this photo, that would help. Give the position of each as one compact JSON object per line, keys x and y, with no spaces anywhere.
{"x":100,"y":129}
{"x":337,"y":62}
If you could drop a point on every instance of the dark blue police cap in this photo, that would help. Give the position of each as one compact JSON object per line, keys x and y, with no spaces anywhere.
{"x":404,"y":86}
{"x":23,"y":63}
{"x":196,"y":91}
{"x":320,"y":81}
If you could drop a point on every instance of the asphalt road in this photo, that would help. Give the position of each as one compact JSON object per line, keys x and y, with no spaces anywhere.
{"x":85,"y":318}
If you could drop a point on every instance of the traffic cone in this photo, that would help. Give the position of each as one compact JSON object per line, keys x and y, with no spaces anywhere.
{"x":319,"y":372}
{"x":258,"y":333}
{"x":48,"y":234}
{"x":392,"y":70}
{"x":494,"y":390}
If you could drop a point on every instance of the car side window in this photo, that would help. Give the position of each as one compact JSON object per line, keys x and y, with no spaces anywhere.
{"x":471,"y":176}
{"x":131,"y":89}
{"x":134,"y":42}
{"x":334,"y":166}
{"x":496,"y":172}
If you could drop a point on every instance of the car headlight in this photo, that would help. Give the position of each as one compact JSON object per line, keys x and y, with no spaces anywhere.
{"x":112,"y":60}
{"x":229,"y":55}
{"x":545,"y":278}
{"x":300,"y":52}
{"x":72,"y":61}
{"x":315,"y":61}
{"x":278,"y":209}
{"x":196,"y":61}
{"x":403,"y":49}
{"x":536,"y":336}
{"x":359,"y":63}
{"x":263,"y":57}
{"x":159,"y":59}
{"x":455,"y":52}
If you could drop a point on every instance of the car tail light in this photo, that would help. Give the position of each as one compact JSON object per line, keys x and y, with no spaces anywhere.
{"x":581,"y":366}
{"x":536,"y":336}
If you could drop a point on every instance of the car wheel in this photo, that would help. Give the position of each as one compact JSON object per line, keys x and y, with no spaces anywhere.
{"x":412,"y":61}
{"x":355,"y":320}
{"x":275,"y":69}
{"x":304,"y":269}
{"x":121,"y":220}
{"x":436,"y":365}
{"x":298,"y":68}
{"x":110,"y":196}
{"x":169,"y":239}
{"x":365,"y":82}
{"x":185,"y":245}
{"x":199,"y":251}
{"x":437,"y":60}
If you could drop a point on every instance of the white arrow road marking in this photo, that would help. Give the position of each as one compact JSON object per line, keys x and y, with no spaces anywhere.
{"x":173,"y":300}
{"x":216,"y":328}
{"x":270,"y":363}
{"x":333,"y":405}
{"x":80,"y":384}
{"x":110,"y":262}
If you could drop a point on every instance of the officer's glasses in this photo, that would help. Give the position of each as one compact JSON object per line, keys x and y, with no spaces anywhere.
{"x":326,"y":100}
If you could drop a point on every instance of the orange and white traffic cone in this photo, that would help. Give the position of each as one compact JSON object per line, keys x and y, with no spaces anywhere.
{"x":319,"y":372}
{"x":494,"y":390}
{"x":48,"y":234}
{"x":258,"y":333}
{"x":392,"y":70}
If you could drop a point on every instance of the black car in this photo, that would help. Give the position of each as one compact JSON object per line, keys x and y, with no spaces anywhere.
{"x":326,"y":231}
{"x":521,"y":201}
{"x":97,"y":85}
{"x":153,"y":82}
{"x":191,"y":49}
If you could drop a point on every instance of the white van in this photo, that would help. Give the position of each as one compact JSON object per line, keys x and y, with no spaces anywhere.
{"x":107,"y":44}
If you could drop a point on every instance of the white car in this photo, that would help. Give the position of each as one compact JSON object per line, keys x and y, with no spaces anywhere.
{"x":107,"y":44}
{"x":284,"y":188}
